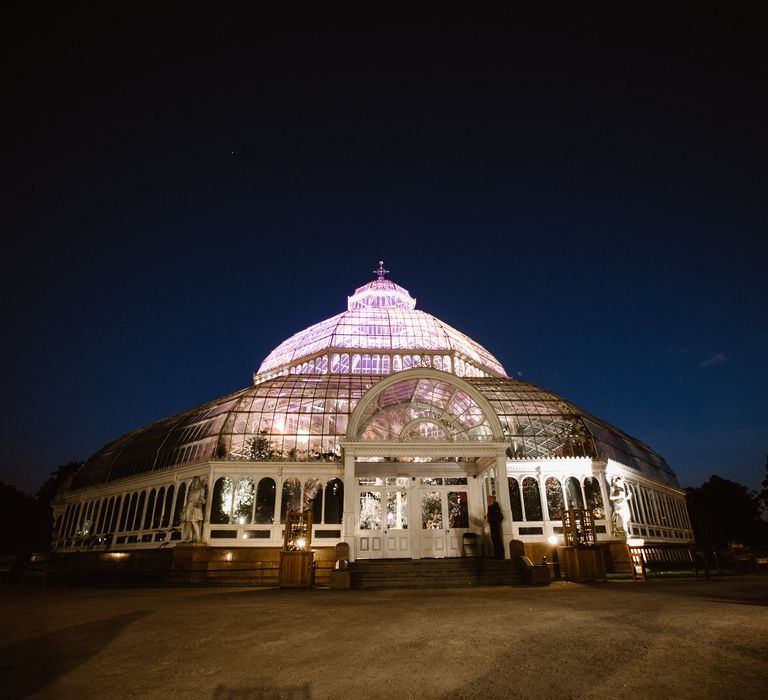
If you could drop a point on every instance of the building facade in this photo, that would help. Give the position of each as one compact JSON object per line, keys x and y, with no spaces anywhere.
{"x":393,"y":428}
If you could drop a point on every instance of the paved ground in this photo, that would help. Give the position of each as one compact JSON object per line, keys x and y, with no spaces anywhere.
{"x":659,"y":639}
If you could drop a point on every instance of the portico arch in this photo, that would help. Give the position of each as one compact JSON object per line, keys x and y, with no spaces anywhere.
{"x":402,"y":399}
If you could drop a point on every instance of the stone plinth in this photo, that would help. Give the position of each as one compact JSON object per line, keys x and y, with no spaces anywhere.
{"x":190,"y":563}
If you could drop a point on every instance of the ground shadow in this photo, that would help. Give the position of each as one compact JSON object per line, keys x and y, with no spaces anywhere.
{"x":31,"y":664}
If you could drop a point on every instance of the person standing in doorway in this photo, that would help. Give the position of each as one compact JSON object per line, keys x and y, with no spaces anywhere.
{"x":494,"y":518}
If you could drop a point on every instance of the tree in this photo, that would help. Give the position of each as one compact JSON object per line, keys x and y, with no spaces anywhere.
{"x":61,"y":476}
{"x":259,"y":448}
{"x":724,"y":511}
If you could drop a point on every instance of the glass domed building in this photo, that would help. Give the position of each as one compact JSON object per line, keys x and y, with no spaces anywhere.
{"x":392,"y":427}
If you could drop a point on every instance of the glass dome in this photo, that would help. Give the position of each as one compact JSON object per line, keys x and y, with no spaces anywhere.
{"x":389,"y":334}
{"x":305,"y":418}
{"x":307,"y":389}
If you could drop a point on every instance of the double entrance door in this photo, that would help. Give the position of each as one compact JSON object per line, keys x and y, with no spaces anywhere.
{"x":411,"y":517}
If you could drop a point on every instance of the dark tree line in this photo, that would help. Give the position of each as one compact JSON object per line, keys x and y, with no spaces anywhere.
{"x":26,"y":521}
{"x":724,"y":511}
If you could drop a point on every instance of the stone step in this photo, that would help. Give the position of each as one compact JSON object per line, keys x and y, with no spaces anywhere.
{"x":434,"y":573}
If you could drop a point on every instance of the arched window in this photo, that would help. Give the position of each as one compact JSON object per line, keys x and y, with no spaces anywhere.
{"x":334,"y":501}
{"x":532,"y":499}
{"x":139,"y":511}
{"x":168,"y":505}
{"x":355,"y":369}
{"x":573,"y":493}
{"x":265,"y":502}
{"x":106,"y":514}
{"x":514,"y":499}
{"x":594,"y":498}
{"x":243,"y":501}
{"x":98,"y":514}
{"x":313,"y":498}
{"x":72,"y":520}
{"x":335,"y":363}
{"x":291,"y":497}
{"x":221,"y":502}
{"x":150,"y":508}
{"x":385,"y":364}
{"x":127,"y":523}
{"x":554,"y":497}
{"x":159,"y":503}
{"x":344,"y":364}
{"x":180,"y":497}
{"x":115,"y":514}
{"x":397,"y":364}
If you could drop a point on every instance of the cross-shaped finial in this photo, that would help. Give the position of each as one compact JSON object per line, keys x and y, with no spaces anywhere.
{"x":381,"y":271}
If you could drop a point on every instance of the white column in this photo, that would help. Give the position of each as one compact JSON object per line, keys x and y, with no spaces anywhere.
{"x":502,"y":495}
{"x":350,"y":503}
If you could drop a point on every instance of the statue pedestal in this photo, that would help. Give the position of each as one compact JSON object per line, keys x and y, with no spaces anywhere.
{"x":190,"y":562}
{"x":583,"y":563}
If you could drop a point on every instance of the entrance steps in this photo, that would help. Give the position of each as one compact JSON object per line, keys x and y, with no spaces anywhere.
{"x":434,"y":573}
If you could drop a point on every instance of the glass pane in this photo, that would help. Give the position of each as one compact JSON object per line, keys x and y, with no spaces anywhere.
{"x":159,"y":503}
{"x":397,"y":510}
{"x":179,"y":504}
{"x":243,"y":501}
{"x":573,"y":492}
{"x":291,"y":497}
{"x":514,"y":499}
{"x":430,"y":481}
{"x":531,"y":499}
{"x":431,"y":511}
{"x":554,"y":497}
{"x":167,"y":510}
{"x":265,"y":502}
{"x":458,"y":512}
{"x":456,"y":481}
{"x":313,"y":499}
{"x":139,"y":511}
{"x":221,"y":503}
{"x":370,"y":510}
{"x":150,"y":508}
{"x":115,"y":512}
{"x":334,"y":501}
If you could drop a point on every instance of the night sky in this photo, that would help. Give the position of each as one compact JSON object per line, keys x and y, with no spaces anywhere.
{"x":182,"y":194}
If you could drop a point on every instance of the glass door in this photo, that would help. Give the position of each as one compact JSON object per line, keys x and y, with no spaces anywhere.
{"x":444,"y":511}
{"x":396,"y":532}
{"x":382,"y":520}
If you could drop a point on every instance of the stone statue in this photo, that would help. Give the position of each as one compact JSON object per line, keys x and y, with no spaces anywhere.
{"x":192,"y":515}
{"x":619,"y":497}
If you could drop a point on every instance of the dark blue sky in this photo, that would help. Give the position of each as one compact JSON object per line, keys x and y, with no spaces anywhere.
{"x":183,"y":195}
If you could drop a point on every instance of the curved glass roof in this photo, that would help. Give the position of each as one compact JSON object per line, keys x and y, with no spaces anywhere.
{"x":381,"y":316}
{"x":422,"y":408}
{"x":305,"y":417}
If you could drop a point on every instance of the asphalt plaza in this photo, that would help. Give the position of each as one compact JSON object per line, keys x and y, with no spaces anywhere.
{"x":690,"y":638}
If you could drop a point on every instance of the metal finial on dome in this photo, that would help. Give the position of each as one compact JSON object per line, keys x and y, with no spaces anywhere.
{"x":381,"y":271}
